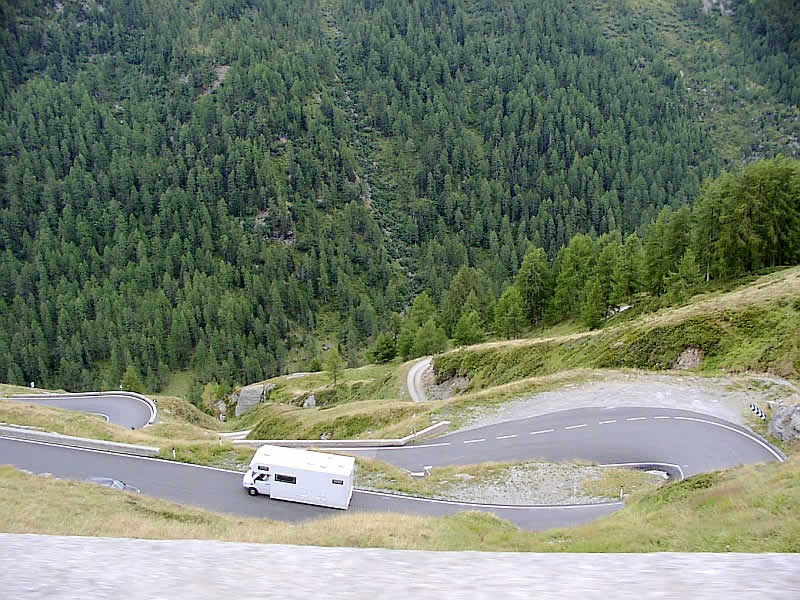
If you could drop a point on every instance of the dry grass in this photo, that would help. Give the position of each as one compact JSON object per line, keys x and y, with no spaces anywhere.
{"x":7,"y":389}
{"x":752,"y":509}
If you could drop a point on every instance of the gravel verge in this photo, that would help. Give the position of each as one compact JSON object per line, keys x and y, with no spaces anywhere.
{"x":526,"y":483}
{"x":727,"y":397}
{"x":537,"y":483}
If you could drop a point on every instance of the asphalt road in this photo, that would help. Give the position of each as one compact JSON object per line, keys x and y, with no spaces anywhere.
{"x":127,"y":411}
{"x":414,"y":380}
{"x":691,"y":441}
{"x":222,"y":490}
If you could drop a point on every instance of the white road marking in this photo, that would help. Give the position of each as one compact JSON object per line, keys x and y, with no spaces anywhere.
{"x":542,"y":431}
{"x":360,"y":449}
{"x":662,"y":417}
{"x":605,"y":422}
{"x":639,"y":464}
{"x":106,"y":417}
{"x":474,"y":441}
{"x":505,"y":437}
{"x":575,"y":426}
{"x":636,"y":419}
{"x":740,"y":432}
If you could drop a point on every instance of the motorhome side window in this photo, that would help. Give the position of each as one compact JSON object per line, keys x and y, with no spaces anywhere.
{"x":263,"y":468}
{"x":285,"y":479}
{"x":338,"y":482}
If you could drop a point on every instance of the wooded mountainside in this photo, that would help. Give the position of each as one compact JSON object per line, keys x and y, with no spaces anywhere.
{"x":222,"y":185}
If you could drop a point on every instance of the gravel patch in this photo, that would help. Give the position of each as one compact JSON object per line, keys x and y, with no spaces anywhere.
{"x":529,"y":483}
{"x":538,"y":483}
{"x":727,"y":397}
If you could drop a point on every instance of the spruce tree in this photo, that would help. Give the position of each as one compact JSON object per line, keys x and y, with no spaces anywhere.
{"x":469,"y":329}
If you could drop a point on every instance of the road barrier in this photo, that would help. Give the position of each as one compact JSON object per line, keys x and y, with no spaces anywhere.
{"x":77,"y":442}
{"x":442,"y":425}
{"x":758,"y":411}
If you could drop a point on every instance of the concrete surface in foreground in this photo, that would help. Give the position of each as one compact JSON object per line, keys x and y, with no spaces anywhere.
{"x":54,"y":567}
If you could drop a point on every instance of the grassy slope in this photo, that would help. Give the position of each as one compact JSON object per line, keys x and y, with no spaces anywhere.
{"x":755,"y":328}
{"x":740,"y":113}
{"x":752,"y":509}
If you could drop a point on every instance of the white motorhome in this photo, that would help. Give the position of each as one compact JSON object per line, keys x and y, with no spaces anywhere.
{"x":301,"y":476}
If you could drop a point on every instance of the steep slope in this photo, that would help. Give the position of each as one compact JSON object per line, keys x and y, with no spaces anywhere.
{"x":228,"y":187}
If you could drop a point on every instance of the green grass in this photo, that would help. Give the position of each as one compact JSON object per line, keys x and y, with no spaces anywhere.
{"x":756,"y":328}
{"x":179,"y":384}
{"x":751,"y":509}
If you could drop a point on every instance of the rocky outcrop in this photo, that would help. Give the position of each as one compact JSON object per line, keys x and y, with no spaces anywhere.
{"x":251,"y":395}
{"x":785,"y":422}
{"x":691,"y":358}
{"x":725,"y":7}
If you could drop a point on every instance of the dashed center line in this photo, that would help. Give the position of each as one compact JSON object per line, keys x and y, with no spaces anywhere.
{"x":474,"y":441}
{"x":605,"y":422}
{"x":636,"y":419}
{"x":662,"y":417}
{"x":542,"y":431}
{"x":575,"y":426}
{"x":505,"y":437}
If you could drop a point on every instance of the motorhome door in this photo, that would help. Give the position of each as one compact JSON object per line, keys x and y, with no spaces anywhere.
{"x":261,"y":483}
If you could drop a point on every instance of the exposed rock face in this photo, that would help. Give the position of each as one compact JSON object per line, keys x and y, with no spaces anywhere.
{"x":725,"y":7}
{"x":310,"y":401}
{"x":785,"y":422}
{"x":252,"y":395}
{"x":689,"y":359}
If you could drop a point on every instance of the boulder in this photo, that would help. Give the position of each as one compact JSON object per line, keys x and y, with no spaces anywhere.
{"x":251,"y":395}
{"x":785,"y":422}
{"x":310,"y":401}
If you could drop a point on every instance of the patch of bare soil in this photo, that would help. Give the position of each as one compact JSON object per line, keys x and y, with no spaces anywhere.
{"x":221,"y":71}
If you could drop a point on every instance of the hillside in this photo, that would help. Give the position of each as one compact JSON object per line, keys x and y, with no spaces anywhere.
{"x":750,"y":329}
{"x":734,"y":59}
{"x":228,"y":189}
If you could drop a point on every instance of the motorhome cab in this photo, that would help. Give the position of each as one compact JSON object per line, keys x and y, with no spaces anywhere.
{"x":301,"y":476}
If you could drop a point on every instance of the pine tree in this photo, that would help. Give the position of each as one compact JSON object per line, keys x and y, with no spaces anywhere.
{"x":385,"y":348}
{"x":593,"y":310}
{"x":131,"y":381}
{"x":430,"y":339}
{"x":627,"y":273}
{"x":509,"y":313}
{"x":681,"y":284}
{"x":334,"y":365}
{"x":534,"y":282}
{"x":469,"y":329}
